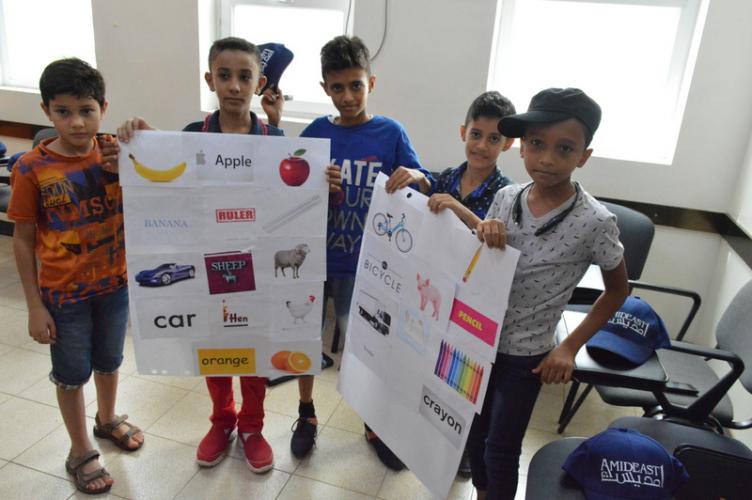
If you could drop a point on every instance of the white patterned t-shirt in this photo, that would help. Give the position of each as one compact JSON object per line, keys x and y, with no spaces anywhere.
{"x":551,"y":264}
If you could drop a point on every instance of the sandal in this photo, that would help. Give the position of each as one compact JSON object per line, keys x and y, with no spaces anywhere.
{"x":107,"y":431}
{"x":74,"y":466}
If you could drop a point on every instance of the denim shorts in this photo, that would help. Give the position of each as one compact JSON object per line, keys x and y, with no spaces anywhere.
{"x":90,"y":336}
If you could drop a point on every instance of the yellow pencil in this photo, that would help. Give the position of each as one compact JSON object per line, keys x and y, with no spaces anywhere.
{"x":472,"y":263}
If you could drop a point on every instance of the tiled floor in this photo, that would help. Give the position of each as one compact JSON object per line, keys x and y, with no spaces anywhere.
{"x":173,"y":412}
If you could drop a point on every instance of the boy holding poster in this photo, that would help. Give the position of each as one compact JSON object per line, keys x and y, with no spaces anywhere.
{"x":68,"y":211}
{"x":362,"y":146}
{"x":234,"y":75}
{"x":538,"y":219}
{"x":469,"y":189}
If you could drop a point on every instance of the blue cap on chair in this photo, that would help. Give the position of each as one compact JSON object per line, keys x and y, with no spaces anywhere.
{"x":633,"y":333}
{"x":623,"y":463}
{"x":275,"y":58}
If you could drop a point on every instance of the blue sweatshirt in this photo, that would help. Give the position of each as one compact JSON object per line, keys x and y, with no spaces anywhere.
{"x":362,"y":151}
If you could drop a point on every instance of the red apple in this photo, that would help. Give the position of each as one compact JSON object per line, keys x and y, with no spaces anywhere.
{"x":294,"y":170}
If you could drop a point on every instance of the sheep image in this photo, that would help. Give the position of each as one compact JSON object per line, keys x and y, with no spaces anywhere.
{"x":291,"y":258}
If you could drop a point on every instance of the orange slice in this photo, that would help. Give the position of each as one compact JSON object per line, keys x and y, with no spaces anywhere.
{"x":298,"y":362}
{"x":279,"y":360}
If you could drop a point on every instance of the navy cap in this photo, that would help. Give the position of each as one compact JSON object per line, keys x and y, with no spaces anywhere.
{"x":3,"y":148}
{"x":633,"y":333}
{"x":623,"y":463}
{"x":275,"y":58}
{"x":551,"y":106}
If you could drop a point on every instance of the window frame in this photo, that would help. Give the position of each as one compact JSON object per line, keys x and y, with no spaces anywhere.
{"x":4,"y":55}
{"x":681,"y":67}
{"x":294,"y":109}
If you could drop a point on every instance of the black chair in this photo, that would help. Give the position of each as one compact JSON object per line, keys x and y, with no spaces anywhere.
{"x":636,"y":233}
{"x":43,"y":134}
{"x":718,"y":466}
{"x":545,"y":477}
{"x":687,"y":363}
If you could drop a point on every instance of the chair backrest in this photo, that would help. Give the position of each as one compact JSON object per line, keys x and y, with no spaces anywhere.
{"x":713,"y":474}
{"x":636,"y":232}
{"x":734,"y":331}
{"x":43,"y":134}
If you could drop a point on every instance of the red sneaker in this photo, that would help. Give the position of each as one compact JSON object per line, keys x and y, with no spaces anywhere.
{"x":258,"y":453}
{"x":213,"y":448}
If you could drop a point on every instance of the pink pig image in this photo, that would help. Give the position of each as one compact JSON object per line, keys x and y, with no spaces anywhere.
{"x":428,"y":292}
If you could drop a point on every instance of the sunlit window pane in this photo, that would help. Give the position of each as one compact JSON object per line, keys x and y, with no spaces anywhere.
{"x":36,"y":32}
{"x":302,"y":30}
{"x":622,"y":54}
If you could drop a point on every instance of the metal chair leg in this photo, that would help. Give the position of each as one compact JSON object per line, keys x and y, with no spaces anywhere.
{"x":568,"y":417}
{"x":570,"y":399}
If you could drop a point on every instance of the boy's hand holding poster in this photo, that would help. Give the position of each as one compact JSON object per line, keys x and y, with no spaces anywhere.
{"x":225,"y":244}
{"x":424,"y":326}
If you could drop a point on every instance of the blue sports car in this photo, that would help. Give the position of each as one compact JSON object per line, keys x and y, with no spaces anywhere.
{"x":165,"y":274}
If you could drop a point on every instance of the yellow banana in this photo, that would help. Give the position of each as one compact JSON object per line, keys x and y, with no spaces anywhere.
{"x":158,"y":175}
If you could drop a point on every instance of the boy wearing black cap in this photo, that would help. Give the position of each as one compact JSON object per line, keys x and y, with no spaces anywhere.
{"x":560,"y":230}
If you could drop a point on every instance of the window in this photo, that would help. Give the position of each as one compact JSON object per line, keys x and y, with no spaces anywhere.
{"x":303,"y":26}
{"x":29,"y":41}
{"x":635,"y":57}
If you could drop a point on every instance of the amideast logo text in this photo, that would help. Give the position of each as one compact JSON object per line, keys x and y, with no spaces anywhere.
{"x":235,"y":215}
{"x":446,"y":420}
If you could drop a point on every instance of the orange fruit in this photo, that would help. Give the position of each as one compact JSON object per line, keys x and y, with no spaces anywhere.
{"x":279,"y":360}
{"x":298,"y":362}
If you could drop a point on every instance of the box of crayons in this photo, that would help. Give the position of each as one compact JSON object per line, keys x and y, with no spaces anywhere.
{"x":459,"y":371}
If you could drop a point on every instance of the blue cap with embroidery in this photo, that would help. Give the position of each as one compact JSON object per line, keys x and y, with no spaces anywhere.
{"x":275,"y":58}
{"x":623,"y":463}
{"x":632,"y":334}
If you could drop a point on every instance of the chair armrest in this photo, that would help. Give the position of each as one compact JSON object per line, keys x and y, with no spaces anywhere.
{"x":706,"y":352}
{"x":694,"y":296}
{"x":704,"y":404}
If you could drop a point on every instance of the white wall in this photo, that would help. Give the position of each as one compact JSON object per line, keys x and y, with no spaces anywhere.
{"x":682,"y":259}
{"x":741,"y":210}
{"x":148,"y":54}
{"x":731,"y":274}
{"x":433,"y":63}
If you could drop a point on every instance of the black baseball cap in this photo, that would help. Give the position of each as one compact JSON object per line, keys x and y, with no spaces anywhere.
{"x":551,"y":106}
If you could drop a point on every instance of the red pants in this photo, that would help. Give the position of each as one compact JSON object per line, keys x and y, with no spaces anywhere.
{"x":251,"y":415}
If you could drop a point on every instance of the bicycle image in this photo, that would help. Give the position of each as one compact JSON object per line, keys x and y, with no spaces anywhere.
{"x":382,"y":224}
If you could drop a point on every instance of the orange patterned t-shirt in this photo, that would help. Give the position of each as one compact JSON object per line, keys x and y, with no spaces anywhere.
{"x":78,"y":211}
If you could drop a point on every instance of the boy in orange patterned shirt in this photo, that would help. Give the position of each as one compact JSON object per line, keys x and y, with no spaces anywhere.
{"x":69,"y":217}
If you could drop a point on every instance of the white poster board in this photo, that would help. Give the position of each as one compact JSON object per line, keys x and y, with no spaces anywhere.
{"x":426,"y":314}
{"x":225,"y":246}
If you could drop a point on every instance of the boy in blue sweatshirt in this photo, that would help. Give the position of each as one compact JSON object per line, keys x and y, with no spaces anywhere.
{"x":362,"y":146}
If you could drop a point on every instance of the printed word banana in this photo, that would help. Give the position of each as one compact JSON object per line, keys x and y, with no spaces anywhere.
{"x":158,"y":175}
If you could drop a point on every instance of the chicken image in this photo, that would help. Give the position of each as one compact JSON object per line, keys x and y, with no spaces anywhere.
{"x":300,"y":310}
